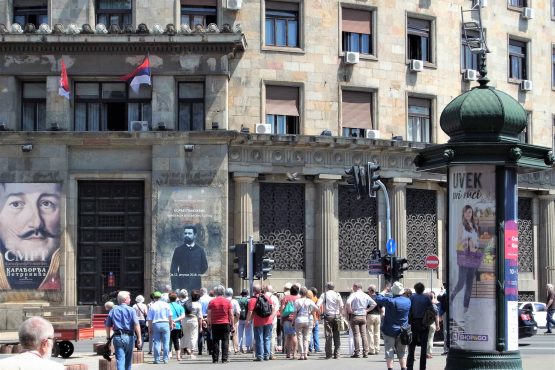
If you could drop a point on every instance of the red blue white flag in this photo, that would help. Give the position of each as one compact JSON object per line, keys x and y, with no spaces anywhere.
{"x":141,"y":75}
{"x":63,"y":90}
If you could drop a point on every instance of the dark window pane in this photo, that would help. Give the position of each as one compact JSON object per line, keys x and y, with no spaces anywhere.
{"x":28,"y":121}
{"x":185,"y":117}
{"x":198,"y":116}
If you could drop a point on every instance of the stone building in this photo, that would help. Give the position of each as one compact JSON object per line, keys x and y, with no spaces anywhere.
{"x":254,"y":111}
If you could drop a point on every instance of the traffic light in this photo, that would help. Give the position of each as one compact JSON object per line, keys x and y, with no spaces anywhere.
{"x":386,"y":267}
{"x":400,"y":265}
{"x":240,"y":259}
{"x":262,"y":264}
{"x":373,"y":178}
{"x":356,"y":176}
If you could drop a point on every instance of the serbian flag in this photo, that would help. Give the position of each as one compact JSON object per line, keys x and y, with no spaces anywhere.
{"x":63,"y":90}
{"x":141,"y":75}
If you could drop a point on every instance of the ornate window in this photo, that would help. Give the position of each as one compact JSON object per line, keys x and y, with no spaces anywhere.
{"x":526,"y":296}
{"x":191,"y":106}
{"x":358,"y":230}
{"x":525,"y":236}
{"x":282,"y":223}
{"x":421,"y":226}
{"x":33,"y":103}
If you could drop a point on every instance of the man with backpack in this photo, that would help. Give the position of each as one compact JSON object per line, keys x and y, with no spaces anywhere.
{"x":244,"y":329}
{"x":420,"y":307}
{"x":261,"y":314}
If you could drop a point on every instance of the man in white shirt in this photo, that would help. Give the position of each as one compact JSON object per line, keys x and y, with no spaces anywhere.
{"x":236,"y":312}
{"x":331,"y":306}
{"x":357,"y":305}
{"x":275,"y":308}
{"x":204,"y":300}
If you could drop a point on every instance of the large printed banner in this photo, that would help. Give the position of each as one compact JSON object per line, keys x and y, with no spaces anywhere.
{"x":189,"y":237}
{"x":472,"y":262}
{"x":30,"y":236}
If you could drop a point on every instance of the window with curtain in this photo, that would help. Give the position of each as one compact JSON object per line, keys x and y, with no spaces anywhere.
{"x":517,"y":59}
{"x":201,"y":12}
{"x":282,"y":109}
{"x":419,"y":120}
{"x":33,"y":104}
{"x":110,"y":12}
{"x":356,"y":28}
{"x":356,"y":113}
{"x":282,"y":24}
{"x":191,"y":106}
{"x":35,"y":12}
{"x":110,"y":106}
{"x":419,"y":39}
{"x":469,"y":60}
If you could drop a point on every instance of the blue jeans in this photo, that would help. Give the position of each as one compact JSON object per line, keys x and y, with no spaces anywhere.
{"x":245,"y":334}
{"x":549,"y":320}
{"x":262,"y":341}
{"x":314,"y":342}
{"x":123,"y":348}
{"x":161,"y":334}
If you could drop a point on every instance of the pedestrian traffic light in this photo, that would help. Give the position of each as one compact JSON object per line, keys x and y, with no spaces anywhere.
{"x":240,"y":259}
{"x":386,"y":267}
{"x":262,"y":264}
{"x":373,"y":179}
{"x":400,"y":265}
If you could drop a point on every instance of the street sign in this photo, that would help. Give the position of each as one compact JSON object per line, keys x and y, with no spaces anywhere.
{"x":375,"y":266}
{"x":432,"y":261}
{"x":391,"y":246}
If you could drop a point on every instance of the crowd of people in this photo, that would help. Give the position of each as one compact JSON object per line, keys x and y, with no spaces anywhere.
{"x":180,"y":325}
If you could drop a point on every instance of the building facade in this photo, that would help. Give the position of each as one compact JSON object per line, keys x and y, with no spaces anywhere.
{"x":254,"y":111}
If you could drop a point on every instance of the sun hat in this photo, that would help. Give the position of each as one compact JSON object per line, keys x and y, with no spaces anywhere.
{"x":397,"y":288}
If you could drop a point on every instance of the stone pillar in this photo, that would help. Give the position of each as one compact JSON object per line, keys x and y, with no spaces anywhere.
{"x":216,"y":97}
{"x":327,"y":230}
{"x":242,"y":214}
{"x":399,"y":214}
{"x":91,"y":14}
{"x":546,"y":265}
{"x":58,"y":108}
{"x":177,"y":13}
{"x":163,"y":102}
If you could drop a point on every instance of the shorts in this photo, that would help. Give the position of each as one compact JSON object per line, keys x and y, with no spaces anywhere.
{"x":288,"y":328}
{"x":393,"y":345}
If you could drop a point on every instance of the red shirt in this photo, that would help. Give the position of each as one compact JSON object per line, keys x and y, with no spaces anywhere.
{"x":257,"y":320}
{"x":219,"y":310}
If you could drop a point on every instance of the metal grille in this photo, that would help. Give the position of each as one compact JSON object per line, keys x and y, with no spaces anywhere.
{"x":421,"y":226}
{"x":525,"y":236}
{"x":358,"y":230}
{"x":282,"y":223}
{"x":526,"y":296}
{"x":110,"y":238}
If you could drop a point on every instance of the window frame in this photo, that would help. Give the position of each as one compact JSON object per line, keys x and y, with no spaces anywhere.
{"x":191,"y":101}
{"x":523,"y":57}
{"x":296,"y":121}
{"x":372,"y":36}
{"x":465,"y":53}
{"x":202,"y":12}
{"x":36,"y":102}
{"x":112,"y":12}
{"x":430,"y":117}
{"x":30,"y":11}
{"x":519,"y":6}
{"x":102,"y":101}
{"x":348,"y":131}
{"x":431,"y":38}
{"x":300,"y":28}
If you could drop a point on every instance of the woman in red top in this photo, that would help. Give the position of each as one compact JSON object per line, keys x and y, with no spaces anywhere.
{"x":287,"y":322}
{"x":220,"y":322}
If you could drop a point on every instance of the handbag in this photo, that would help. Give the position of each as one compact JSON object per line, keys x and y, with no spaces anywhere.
{"x":405,"y":336}
{"x":288,"y":310}
{"x":429,"y":316}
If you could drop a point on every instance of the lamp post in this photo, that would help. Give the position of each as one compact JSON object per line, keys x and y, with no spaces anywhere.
{"x":482,"y":160}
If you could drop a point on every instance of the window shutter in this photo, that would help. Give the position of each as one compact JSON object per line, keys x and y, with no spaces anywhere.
{"x":356,"y":109}
{"x":280,"y":5}
{"x":213,"y":3}
{"x":356,"y":21}
{"x":282,"y":100}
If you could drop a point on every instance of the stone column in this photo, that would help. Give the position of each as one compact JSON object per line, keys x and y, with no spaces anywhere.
{"x":546,"y":263}
{"x":242,"y":214}
{"x":327,"y":229}
{"x":399,"y":214}
{"x":91,"y":14}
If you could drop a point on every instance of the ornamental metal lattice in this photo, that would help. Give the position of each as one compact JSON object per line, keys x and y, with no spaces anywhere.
{"x":358,"y":230}
{"x":526,"y":296}
{"x":282,"y":223}
{"x":421,"y":226}
{"x":525,"y":236}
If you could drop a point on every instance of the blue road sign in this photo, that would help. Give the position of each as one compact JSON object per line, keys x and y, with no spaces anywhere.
{"x":391,"y":246}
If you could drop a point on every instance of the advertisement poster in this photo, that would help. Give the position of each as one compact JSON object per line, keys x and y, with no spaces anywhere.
{"x":472,"y":265}
{"x":511,"y":283}
{"x":189,"y":238}
{"x":30,"y":236}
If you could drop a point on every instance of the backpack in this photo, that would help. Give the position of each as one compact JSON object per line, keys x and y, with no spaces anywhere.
{"x":429,"y":316}
{"x":243,"y":304}
{"x":188,"y":307}
{"x":289,"y":309}
{"x":263,"y":307}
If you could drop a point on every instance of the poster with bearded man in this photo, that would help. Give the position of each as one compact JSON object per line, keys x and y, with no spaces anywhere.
{"x":30,"y":236}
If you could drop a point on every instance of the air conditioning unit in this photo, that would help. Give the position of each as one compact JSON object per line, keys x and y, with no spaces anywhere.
{"x":263,"y":128}
{"x":138,"y":126}
{"x":416,"y":65}
{"x":527,"y":13}
{"x":470,"y":75}
{"x":372,"y":134}
{"x":351,"y":57}
{"x":234,"y":4}
{"x":526,"y":85}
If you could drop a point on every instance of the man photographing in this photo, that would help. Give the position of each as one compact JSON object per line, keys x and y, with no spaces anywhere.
{"x":188,"y":262}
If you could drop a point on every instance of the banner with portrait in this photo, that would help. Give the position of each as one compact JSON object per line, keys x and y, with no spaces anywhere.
{"x":30,"y":236}
{"x":189,"y":235}
{"x":472,"y":262}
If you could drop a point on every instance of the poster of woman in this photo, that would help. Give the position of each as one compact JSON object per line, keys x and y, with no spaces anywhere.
{"x":472,"y":248}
